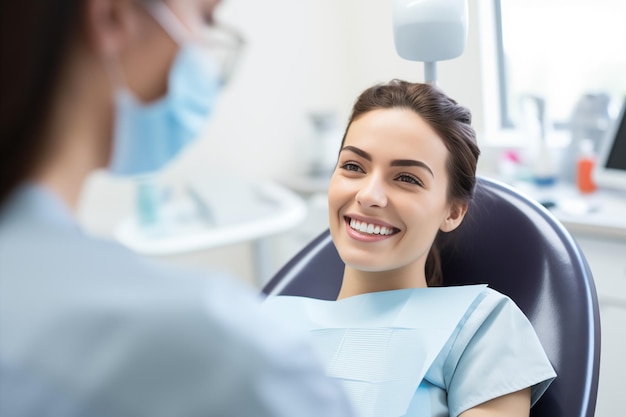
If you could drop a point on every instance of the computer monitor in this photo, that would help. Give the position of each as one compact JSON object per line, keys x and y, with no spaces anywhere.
{"x":610,"y":169}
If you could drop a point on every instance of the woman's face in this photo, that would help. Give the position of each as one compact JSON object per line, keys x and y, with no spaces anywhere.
{"x":150,"y":50}
{"x":387,"y":196}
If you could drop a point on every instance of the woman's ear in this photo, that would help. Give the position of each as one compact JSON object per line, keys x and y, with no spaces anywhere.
{"x":109,"y":25}
{"x":456,"y":214}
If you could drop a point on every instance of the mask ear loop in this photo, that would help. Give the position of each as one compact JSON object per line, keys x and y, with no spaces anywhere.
{"x":169,"y":22}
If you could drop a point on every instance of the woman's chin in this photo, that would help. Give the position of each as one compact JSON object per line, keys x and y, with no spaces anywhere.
{"x":365,"y":263}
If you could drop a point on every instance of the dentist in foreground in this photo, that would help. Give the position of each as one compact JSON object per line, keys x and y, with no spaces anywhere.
{"x":86,"y":327}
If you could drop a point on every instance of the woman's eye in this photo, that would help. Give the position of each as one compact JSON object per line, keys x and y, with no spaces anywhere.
{"x":349,"y":166}
{"x":410,"y":179}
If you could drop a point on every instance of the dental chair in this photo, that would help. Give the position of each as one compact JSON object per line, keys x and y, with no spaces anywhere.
{"x":517,"y":247}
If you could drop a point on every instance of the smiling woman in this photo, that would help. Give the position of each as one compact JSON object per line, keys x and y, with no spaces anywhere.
{"x":402,"y":187}
{"x":406,"y":174}
{"x":424,"y":144}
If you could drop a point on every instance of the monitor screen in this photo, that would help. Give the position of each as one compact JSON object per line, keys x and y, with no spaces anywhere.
{"x":611,"y":168}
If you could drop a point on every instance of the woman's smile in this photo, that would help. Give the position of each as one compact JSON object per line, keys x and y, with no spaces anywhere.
{"x":368,"y":230}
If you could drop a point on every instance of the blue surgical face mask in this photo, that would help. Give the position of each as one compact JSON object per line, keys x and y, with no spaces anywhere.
{"x":149,"y":135}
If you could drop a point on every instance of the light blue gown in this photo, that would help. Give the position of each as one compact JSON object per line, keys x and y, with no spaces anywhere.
{"x":425,"y":352}
{"x":89,"y":329}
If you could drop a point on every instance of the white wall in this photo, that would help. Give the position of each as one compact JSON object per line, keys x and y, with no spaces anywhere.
{"x":301,"y":56}
{"x":306,"y":55}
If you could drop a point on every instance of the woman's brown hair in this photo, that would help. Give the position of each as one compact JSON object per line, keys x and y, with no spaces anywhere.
{"x":35,"y":36}
{"x":451,"y":121}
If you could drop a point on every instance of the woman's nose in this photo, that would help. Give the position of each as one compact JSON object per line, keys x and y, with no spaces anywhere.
{"x":372,"y":193}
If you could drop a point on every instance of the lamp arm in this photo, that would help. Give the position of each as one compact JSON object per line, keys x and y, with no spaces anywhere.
{"x":430,"y":72}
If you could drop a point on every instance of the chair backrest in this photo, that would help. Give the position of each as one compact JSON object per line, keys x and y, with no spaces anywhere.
{"x":517,"y":247}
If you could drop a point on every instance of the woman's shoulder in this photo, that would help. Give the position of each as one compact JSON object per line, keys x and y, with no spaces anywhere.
{"x":488,"y":319}
{"x":491,"y":302}
{"x":495,"y":296}
{"x":496,"y":341}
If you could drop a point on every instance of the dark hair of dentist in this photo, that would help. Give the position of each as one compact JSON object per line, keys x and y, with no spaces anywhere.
{"x":86,"y":327}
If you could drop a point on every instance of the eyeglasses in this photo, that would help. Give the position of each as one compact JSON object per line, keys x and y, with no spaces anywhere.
{"x":222,"y":42}
{"x":225,"y":44}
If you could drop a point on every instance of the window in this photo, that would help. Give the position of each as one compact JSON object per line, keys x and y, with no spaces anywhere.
{"x":559,"y":51}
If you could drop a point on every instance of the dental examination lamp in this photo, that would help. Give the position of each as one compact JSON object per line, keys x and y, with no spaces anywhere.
{"x":430,"y":31}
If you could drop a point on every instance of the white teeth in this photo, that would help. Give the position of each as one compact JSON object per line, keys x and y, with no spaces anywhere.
{"x":371,"y":229}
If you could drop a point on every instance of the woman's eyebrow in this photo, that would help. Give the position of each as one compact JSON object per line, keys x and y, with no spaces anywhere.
{"x":357,"y":151}
{"x":394,"y":163}
{"x":411,"y":163}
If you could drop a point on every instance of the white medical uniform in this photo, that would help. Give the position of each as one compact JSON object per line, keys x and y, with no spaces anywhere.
{"x":89,"y":329}
{"x":423,"y":352}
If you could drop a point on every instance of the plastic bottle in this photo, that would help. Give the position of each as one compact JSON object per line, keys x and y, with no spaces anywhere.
{"x":584,"y":167}
{"x":544,"y":169}
{"x":148,"y":201}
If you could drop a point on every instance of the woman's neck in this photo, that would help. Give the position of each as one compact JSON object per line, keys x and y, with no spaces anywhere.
{"x":78,"y":133}
{"x":357,"y":282}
